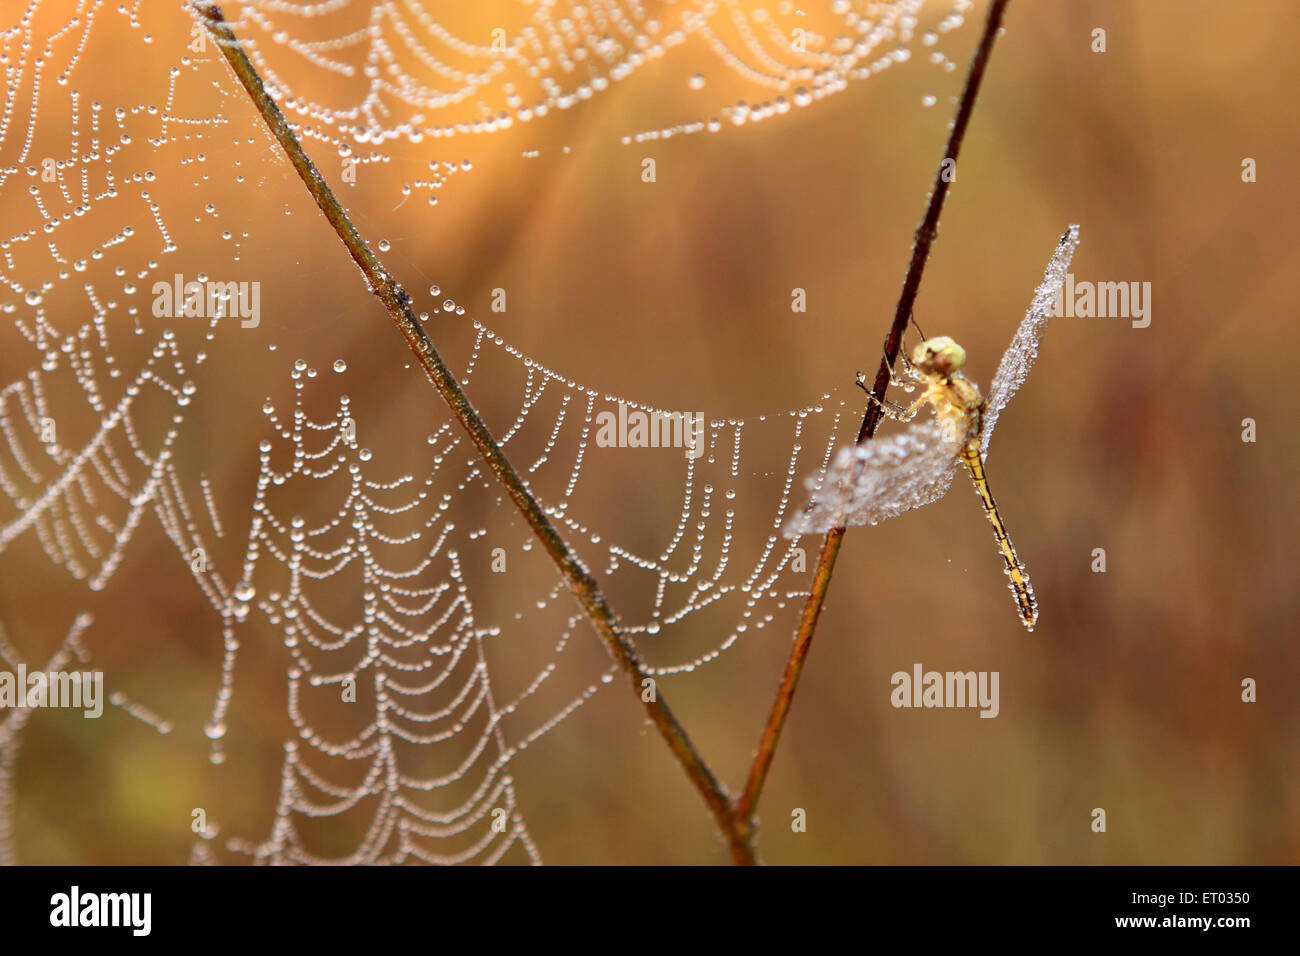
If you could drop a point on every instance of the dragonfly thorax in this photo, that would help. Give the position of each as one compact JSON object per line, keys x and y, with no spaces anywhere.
{"x":939,"y":356}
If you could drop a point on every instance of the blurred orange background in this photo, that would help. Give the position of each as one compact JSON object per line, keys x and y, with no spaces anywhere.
{"x":676,"y":293}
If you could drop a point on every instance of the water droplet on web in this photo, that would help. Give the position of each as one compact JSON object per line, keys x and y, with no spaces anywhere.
{"x":384,"y":245}
{"x":340,"y":365}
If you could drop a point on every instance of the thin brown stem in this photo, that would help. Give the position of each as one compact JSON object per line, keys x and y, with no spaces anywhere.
{"x":398,"y":304}
{"x":925,"y":235}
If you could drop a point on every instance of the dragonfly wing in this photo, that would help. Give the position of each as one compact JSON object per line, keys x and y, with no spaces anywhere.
{"x":1019,"y":357}
{"x":880,"y":479}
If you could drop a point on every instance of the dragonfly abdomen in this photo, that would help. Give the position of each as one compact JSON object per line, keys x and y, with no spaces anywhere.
{"x":1021,"y":589}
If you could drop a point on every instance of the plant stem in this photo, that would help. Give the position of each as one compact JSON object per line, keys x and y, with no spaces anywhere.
{"x":398,"y":304}
{"x":925,"y":235}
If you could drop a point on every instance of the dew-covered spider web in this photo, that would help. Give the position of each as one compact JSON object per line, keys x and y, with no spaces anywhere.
{"x":363,"y":565}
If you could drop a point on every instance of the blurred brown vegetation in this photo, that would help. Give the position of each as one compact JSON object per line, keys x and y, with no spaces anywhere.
{"x":677,"y":293}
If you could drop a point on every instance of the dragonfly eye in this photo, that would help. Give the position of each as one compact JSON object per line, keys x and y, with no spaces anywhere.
{"x":939,"y":356}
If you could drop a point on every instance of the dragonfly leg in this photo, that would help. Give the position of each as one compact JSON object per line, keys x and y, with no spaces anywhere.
{"x":905,"y":382}
{"x":909,"y":369}
{"x":911,"y":317}
{"x":915,"y":407}
{"x":897,"y":412}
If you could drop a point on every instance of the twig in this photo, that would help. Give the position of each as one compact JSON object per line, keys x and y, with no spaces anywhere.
{"x":398,"y":304}
{"x":925,"y":234}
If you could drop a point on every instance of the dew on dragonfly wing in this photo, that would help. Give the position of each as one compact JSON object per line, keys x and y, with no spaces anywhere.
{"x":340,"y":365}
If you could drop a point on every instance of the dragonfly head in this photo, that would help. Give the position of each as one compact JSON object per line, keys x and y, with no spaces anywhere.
{"x":939,"y":356}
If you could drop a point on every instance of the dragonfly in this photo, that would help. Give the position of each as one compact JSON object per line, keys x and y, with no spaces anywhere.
{"x":883,"y":478}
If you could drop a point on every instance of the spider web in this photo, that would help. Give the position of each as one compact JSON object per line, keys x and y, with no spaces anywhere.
{"x":421,"y":74}
{"x":409,"y":683}
{"x":412,"y":647}
{"x":16,"y":718}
